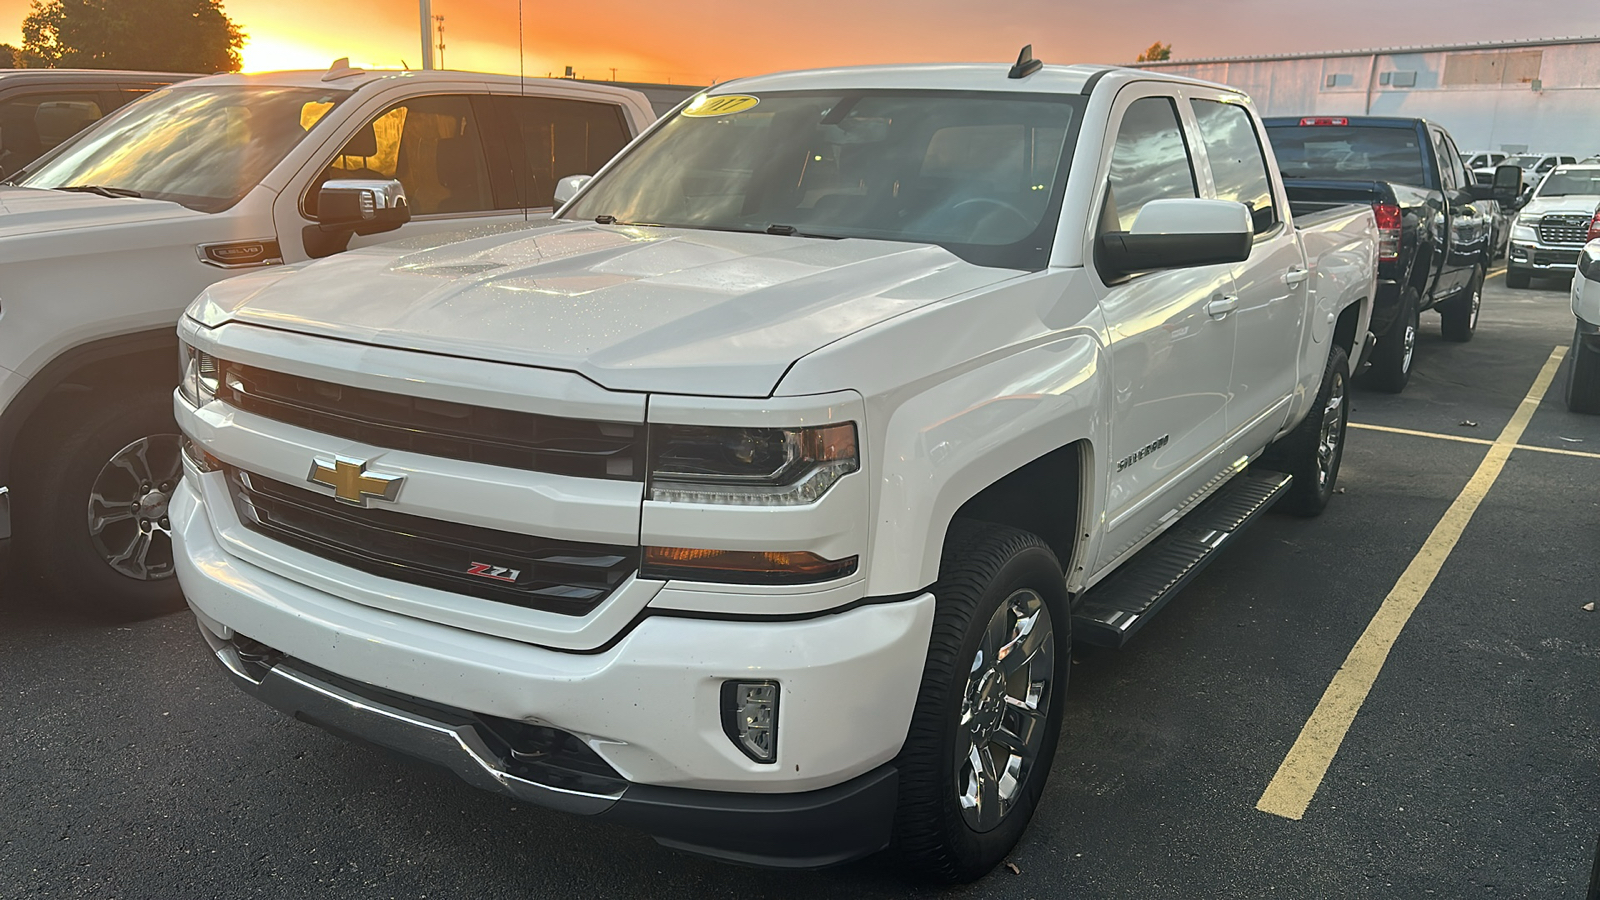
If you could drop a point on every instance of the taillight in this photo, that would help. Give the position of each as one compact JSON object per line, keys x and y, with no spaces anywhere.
{"x":1324,"y":120}
{"x":1594,"y":226}
{"x":1388,"y":216}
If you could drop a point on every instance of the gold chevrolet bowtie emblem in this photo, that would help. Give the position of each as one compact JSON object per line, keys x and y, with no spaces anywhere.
{"x":351,"y":483}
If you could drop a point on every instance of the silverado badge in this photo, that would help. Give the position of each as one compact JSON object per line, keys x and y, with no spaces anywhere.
{"x":350,"y":482}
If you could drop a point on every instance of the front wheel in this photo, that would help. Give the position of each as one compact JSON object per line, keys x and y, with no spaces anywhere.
{"x":93,"y":505}
{"x":1583,"y":376}
{"x":988,"y":715}
{"x":1517,"y":279}
{"x":1458,"y":319}
{"x":1313,"y":451}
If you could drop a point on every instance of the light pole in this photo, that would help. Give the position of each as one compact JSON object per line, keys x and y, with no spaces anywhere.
{"x":425,"y":8}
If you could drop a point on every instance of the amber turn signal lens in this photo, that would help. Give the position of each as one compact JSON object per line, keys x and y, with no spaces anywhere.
{"x":743,"y":566}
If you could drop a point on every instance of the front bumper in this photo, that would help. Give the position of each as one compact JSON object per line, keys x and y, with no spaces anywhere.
{"x":801,"y":830}
{"x":1543,"y":258}
{"x":647,"y":706}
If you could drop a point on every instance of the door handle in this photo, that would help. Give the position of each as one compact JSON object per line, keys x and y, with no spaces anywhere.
{"x":1221,"y":305}
{"x":1295,"y":275}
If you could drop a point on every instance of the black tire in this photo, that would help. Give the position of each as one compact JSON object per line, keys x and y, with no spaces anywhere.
{"x":1517,"y":279}
{"x":985,"y":568}
{"x":1458,"y":317}
{"x":75,"y":454}
{"x":1313,"y":450}
{"x":1583,"y":375}
{"x":1396,"y":353}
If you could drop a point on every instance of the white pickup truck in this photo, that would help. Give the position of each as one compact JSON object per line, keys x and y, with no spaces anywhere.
{"x":106,"y":239}
{"x":757,"y":502}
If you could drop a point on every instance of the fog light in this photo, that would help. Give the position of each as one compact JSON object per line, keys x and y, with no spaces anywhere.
{"x":750,"y":717}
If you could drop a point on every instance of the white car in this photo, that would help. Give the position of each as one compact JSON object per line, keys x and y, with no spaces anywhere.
{"x":1552,"y":227}
{"x":1485,"y":159}
{"x":758,"y":501}
{"x":1534,"y":167}
{"x":106,"y":239}
{"x":1583,"y":363}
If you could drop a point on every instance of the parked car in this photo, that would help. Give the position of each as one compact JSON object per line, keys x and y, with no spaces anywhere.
{"x":1534,"y":167}
{"x":1486,"y":159}
{"x":40,"y":108}
{"x":1437,"y":229}
{"x":1583,"y":363}
{"x":843,"y":399}
{"x":104,"y":240}
{"x":1550,"y":230}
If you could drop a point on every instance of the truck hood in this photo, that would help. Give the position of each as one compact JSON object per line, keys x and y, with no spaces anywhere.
{"x":32,"y":211}
{"x":1572,"y":204}
{"x":630,"y":308}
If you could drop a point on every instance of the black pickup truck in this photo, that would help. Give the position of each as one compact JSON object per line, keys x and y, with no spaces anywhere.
{"x":1435,"y":228}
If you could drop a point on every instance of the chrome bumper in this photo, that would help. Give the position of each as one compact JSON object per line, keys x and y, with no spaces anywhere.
{"x":1535,"y":257}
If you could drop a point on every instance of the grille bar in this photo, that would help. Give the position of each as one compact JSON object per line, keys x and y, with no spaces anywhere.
{"x":1564,"y":230}
{"x":497,"y":437}
{"x":566,"y":577}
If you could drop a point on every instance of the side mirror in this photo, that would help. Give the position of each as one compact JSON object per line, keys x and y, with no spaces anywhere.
{"x":1177,"y":234}
{"x":1506,"y":187}
{"x":352,"y":206}
{"x":568,"y":187}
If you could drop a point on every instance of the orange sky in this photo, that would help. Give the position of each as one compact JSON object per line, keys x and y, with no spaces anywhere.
{"x":709,"y":40}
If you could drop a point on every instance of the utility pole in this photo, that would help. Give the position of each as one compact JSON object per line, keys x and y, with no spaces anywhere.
{"x":440,"y":21}
{"x":425,"y":10}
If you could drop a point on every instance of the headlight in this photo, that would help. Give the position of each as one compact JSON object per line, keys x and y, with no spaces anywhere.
{"x":1521,"y":232}
{"x":749,"y":466}
{"x":197,"y":375}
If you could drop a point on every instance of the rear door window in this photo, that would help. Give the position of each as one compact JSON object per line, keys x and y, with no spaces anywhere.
{"x":1150,"y":161}
{"x":554,"y":138}
{"x":1238,"y":167}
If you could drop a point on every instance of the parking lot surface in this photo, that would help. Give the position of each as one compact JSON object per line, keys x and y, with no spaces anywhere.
{"x":130,"y":768}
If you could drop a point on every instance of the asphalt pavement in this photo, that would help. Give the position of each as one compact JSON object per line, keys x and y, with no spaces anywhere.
{"x":130,"y":768}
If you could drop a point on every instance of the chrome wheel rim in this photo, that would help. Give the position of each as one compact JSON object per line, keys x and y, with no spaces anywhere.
{"x":1332,"y":433}
{"x":1004,"y":708}
{"x":1477,"y":300}
{"x":128,"y":522}
{"x":1409,"y":338}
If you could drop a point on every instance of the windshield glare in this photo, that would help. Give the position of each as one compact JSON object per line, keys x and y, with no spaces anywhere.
{"x":1563,"y":184}
{"x":204,"y":147}
{"x":979,"y":174}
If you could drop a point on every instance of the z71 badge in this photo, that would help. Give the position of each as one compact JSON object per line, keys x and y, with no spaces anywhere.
{"x":1144,"y":451}
{"x":498,"y":573}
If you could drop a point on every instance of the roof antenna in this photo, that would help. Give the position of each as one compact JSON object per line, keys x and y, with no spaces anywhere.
{"x":1026,"y":64}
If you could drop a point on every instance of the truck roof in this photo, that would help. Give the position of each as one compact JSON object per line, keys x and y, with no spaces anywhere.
{"x":353,"y":79}
{"x":54,"y":76}
{"x":1064,"y":79}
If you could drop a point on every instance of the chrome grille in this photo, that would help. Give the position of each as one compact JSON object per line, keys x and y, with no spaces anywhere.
{"x":496,"y":437}
{"x":1564,"y":229}
{"x":565,"y":577}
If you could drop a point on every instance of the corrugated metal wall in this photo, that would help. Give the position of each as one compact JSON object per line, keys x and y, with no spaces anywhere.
{"x":1538,"y":97}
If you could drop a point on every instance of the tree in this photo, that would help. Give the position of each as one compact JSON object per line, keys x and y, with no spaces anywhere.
{"x":165,"y":35}
{"x":1154,"y":53}
{"x":10,"y":57}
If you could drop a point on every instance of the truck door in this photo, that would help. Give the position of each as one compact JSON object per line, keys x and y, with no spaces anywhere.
{"x":1170,"y":342}
{"x":1465,"y":230}
{"x":1271,"y":284}
{"x":438,"y":145}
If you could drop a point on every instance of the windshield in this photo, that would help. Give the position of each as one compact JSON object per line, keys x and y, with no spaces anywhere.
{"x":977,"y":173}
{"x":204,"y":147}
{"x":1577,"y":181}
{"x":1522,"y":162}
{"x":1344,"y":153}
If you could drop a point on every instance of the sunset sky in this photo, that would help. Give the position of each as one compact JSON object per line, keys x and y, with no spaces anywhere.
{"x":720,"y":39}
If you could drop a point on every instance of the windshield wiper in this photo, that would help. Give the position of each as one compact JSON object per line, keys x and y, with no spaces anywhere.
{"x":791,"y":231}
{"x":101,"y":189}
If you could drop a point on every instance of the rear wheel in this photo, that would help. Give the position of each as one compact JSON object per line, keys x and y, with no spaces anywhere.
{"x":1583,"y":374}
{"x":988,"y":715}
{"x":93,"y":499}
{"x":1313,"y":451}
{"x":1397,"y":350}
{"x":1458,"y":319}
{"x":1517,"y":279}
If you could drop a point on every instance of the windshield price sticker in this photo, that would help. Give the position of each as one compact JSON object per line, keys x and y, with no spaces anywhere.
{"x":721,"y":106}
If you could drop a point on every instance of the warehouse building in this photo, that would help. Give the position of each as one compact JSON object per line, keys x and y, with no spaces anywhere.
{"x":1541,"y":95}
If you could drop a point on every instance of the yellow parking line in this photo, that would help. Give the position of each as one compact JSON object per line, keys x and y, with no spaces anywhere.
{"x":1297,"y":779}
{"x":1497,"y":270}
{"x":1426,"y":434}
{"x":1467,"y":440}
